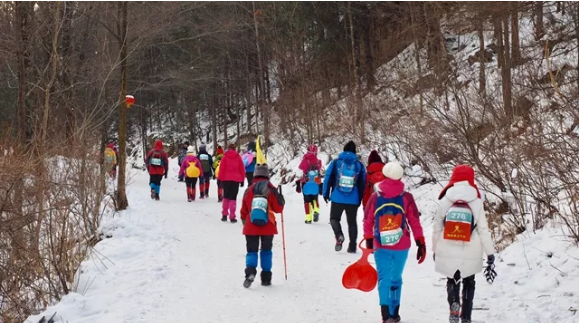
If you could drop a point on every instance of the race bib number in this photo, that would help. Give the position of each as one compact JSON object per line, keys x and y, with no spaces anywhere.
{"x":346,"y":182}
{"x":390,"y":237}
{"x":156,"y":161}
{"x":259,"y":203}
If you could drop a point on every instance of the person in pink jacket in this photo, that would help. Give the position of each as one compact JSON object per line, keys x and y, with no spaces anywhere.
{"x":231,"y":175}
{"x":387,"y":215}
{"x":190,"y":181}
{"x":309,"y":184}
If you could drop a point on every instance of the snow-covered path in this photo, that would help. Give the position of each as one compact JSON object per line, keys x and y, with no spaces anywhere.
{"x":174,"y":261}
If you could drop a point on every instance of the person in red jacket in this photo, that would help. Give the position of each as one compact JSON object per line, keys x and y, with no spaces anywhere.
{"x":260,"y":203}
{"x":231,"y":175}
{"x":157,"y":163}
{"x":373,"y":175}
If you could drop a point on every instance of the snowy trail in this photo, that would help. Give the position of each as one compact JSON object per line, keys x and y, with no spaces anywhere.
{"x":174,"y":261}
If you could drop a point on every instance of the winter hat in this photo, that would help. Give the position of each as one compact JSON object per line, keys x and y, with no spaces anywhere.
{"x":374,"y":158}
{"x":231,"y":146}
{"x":261,"y":170}
{"x":393,"y":170}
{"x":251,"y":146}
{"x":313,"y":149}
{"x":202,"y":147}
{"x":459,"y":174}
{"x":190,"y":150}
{"x":350,"y":146}
{"x":219,"y":150}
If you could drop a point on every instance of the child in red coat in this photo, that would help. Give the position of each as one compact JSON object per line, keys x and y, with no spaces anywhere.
{"x":260,"y":203}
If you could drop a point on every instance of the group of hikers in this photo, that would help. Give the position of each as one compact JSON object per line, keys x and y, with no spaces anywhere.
{"x":460,"y":230}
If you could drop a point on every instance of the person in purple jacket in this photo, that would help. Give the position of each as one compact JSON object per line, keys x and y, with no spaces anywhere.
{"x":387,"y":215}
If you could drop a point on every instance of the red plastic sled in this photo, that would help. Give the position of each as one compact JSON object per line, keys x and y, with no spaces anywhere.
{"x":361,"y":275}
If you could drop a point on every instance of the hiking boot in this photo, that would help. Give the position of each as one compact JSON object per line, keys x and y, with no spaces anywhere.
{"x":250,"y":273}
{"x":153,"y":193}
{"x":339,"y":242}
{"x":466,"y":321}
{"x":266,"y":278}
{"x":316,"y":216}
{"x":386,"y":318}
{"x":233,"y":220}
{"x":397,"y":314}
{"x":352,"y":247}
{"x":224,"y":218}
{"x":454,"y":313}
{"x":189,"y":199}
{"x":157,"y":196}
{"x":308,"y":222}
{"x":202,"y":196}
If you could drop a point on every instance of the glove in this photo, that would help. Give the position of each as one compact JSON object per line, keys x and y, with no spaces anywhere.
{"x":326,"y":199}
{"x":421,"y":254}
{"x":490,"y":273}
{"x":298,"y":186}
{"x":243,"y":222}
{"x":434,"y":257}
{"x":165,"y":175}
{"x":370,"y":243}
{"x":242,"y":183}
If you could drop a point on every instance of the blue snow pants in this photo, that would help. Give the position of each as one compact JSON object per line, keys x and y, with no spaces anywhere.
{"x":390,"y":265}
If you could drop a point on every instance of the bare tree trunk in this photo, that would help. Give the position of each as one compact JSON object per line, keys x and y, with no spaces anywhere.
{"x":54,"y":61}
{"x":577,"y":38}
{"x":214,"y":112}
{"x":122,"y":201}
{"x":260,"y":75}
{"x":248,"y":93}
{"x":506,"y":71}
{"x":23,"y":16}
{"x":481,"y":70}
{"x":515,"y":44}
{"x":539,"y":30}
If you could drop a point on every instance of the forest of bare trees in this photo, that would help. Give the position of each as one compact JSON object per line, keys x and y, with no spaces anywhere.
{"x":67,"y":67}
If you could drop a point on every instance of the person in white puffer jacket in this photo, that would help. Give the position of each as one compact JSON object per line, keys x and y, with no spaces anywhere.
{"x":457,"y":254}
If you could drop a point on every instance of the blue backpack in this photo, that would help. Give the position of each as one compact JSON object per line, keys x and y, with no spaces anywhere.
{"x":259,"y":211}
{"x":312,"y":186}
{"x":389,"y":220}
{"x":347,"y":176}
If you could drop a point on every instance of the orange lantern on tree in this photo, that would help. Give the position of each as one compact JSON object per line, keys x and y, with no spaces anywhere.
{"x":130,"y":100}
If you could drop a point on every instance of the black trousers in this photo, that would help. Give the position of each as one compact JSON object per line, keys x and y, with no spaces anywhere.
{"x":205,"y":178}
{"x":453,"y":293}
{"x":249,"y":177}
{"x":252,"y":243}
{"x":336,"y":211}
{"x":310,"y":198}
{"x":155,"y":179}
{"x":191,"y":182}
{"x":230,"y":190}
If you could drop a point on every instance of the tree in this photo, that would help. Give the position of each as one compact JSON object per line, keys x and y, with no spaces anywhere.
{"x":122,"y":13}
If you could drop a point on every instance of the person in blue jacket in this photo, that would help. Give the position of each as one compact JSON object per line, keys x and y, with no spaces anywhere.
{"x":249,"y":161}
{"x":344,"y":185}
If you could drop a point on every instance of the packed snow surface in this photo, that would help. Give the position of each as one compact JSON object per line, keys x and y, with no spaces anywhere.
{"x":174,"y":261}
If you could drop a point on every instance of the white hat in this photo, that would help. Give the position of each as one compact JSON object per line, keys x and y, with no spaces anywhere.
{"x":393,"y":170}
{"x":190,"y":150}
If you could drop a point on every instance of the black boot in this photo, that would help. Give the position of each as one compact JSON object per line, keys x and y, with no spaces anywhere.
{"x":386,"y":317}
{"x":397,"y":314}
{"x":266,"y":278}
{"x":250,"y":273}
{"x":467,"y":298}
{"x":453,"y":297}
{"x":352,"y":247}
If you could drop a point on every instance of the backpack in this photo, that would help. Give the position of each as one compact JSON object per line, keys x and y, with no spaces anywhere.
{"x":110,"y":157}
{"x":192,"y":170}
{"x":389,"y":220}
{"x":375,"y":178}
{"x":204,"y":158}
{"x":259,"y":210}
{"x":247,"y":159}
{"x":312,"y":184}
{"x":459,"y":222}
{"x":347,"y":177}
{"x":156,"y":159}
{"x":217,"y":164}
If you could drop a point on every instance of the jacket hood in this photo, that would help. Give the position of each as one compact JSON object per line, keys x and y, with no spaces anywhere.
{"x":158,"y":144}
{"x":460,"y":173}
{"x":375,"y":167}
{"x":390,"y":188}
{"x":348,"y":157}
{"x":462,"y":191}
{"x":219,"y":150}
{"x":230,"y":152}
{"x":111,"y":146}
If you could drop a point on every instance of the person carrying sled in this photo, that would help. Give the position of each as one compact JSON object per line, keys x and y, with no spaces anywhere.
{"x":261,"y":201}
{"x":374,"y":175}
{"x":207,"y":164}
{"x":460,"y":235}
{"x":216,"y":163}
{"x":388,"y":214}
{"x":231,"y":174}
{"x":344,"y":185}
{"x":191,"y":169}
{"x":309,"y":184}
{"x":181,"y":157}
{"x":111,"y":160}
{"x":249,"y":162}
{"x":157,"y":163}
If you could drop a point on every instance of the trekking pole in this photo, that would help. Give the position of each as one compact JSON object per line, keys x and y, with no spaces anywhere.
{"x":283,"y":239}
